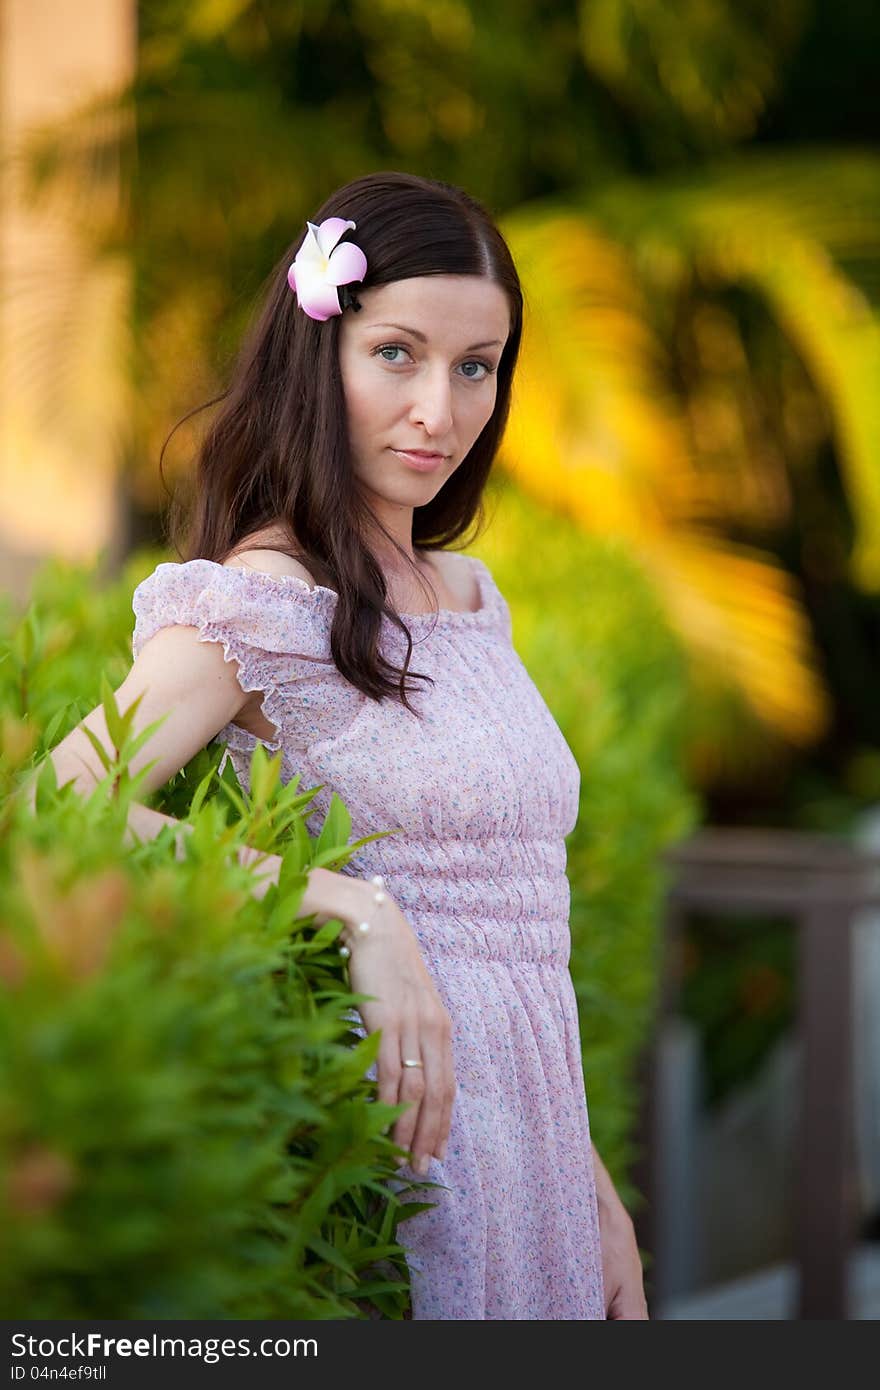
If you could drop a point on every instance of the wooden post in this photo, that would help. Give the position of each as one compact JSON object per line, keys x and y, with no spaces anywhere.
{"x":826,"y":1217}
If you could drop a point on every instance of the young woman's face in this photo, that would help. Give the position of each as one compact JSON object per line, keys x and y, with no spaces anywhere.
{"x":418,"y":367}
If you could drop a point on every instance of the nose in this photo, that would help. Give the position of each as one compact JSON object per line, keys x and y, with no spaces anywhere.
{"x":432,"y":403}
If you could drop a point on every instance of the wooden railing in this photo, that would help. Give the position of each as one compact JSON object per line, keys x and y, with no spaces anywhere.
{"x":820,"y":883}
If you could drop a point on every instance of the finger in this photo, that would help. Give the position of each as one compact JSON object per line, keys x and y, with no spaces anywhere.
{"x":426,"y":1138}
{"x":440,"y":1085}
{"x":412,"y":1085}
{"x":389,"y":1084}
{"x":448,"y":1106}
{"x":388,"y":1065}
{"x":436,"y":1056}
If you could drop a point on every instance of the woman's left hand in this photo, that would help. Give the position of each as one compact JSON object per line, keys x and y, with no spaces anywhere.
{"x":621,"y":1265}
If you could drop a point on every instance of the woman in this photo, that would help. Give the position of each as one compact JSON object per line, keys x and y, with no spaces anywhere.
{"x":322,"y":612}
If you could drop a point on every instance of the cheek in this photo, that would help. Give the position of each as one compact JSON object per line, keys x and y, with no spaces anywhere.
{"x":366,"y":399}
{"x":480,"y":412}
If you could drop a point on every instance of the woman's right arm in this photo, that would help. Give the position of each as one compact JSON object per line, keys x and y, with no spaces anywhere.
{"x":196,"y":688}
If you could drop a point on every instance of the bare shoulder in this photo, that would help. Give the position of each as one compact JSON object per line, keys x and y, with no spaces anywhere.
{"x":458,"y":575}
{"x":256,"y":553}
{"x":454,"y":574}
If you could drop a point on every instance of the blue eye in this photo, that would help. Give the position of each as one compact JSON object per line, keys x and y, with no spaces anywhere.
{"x":474,"y":362}
{"x":471,"y":361}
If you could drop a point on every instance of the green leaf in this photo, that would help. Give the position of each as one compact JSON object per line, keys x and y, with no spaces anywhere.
{"x":411,"y":1209}
{"x":53,"y":726}
{"x":265,"y":773}
{"x":106,"y":760}
{"x":115,"y":724}
{"x":134,"y":745}
{"x":336,"y":828}
{"x":330,"y":1254}
{"x":47,"y":786}
{"x":134,"y":782}
{"x":364,"y":1256}
{"x":376,"y":835}
{"x":200,"y":793}
{"x":235,"y":797}
{"x":366,"y":1290}
{"x":388,"y":1306}
{"x":297,"y":852}
{"x":30,"y":633}
{"x":327,"y":933}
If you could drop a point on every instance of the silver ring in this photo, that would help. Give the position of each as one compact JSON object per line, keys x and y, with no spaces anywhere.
{"x":412,"y":1062}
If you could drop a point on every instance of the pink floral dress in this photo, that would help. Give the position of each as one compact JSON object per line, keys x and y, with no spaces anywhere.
{"x":484,"y":789}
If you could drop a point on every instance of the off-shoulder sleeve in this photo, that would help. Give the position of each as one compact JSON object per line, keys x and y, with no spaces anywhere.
{"x":277,"y":629}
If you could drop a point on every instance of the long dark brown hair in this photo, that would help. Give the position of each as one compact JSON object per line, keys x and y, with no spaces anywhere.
{"x":277,"y":453}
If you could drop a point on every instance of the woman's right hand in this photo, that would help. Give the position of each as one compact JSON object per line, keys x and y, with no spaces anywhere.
{"x":386,"y":962}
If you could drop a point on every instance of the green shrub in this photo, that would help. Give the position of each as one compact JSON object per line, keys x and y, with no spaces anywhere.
{"x":186,"y":1125}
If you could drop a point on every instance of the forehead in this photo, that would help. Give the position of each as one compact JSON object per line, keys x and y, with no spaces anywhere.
{"x":440,"y":306}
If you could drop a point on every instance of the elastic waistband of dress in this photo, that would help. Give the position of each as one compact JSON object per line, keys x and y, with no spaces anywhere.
{"x":489,"y":899}
{"x":543,"y":943}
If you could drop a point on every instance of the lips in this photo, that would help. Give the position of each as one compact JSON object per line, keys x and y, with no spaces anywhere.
{"x":421,"y":462}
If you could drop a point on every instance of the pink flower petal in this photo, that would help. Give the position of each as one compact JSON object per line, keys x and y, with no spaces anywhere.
{"x":310,"y":252}
{"x":318,"y":299}
{"x":347,"y":263}
{"x":330,"y":231}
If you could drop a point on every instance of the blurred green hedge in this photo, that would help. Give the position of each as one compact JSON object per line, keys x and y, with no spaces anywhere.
{"x":186,"y":1125}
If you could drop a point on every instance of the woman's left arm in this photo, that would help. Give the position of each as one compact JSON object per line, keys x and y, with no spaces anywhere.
{"x":621,"y":1263}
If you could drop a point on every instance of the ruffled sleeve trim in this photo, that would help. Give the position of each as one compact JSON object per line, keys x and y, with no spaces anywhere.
{"x":277,"y":632}
{"x":270,"y":613}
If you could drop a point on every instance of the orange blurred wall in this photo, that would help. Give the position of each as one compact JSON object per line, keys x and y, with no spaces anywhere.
{"x":63,"y":319}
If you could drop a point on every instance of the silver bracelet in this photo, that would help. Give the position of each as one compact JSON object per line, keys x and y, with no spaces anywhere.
{"x":364,"y":927}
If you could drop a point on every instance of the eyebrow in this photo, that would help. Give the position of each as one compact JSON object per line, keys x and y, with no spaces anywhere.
{"x":414,"y":332}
